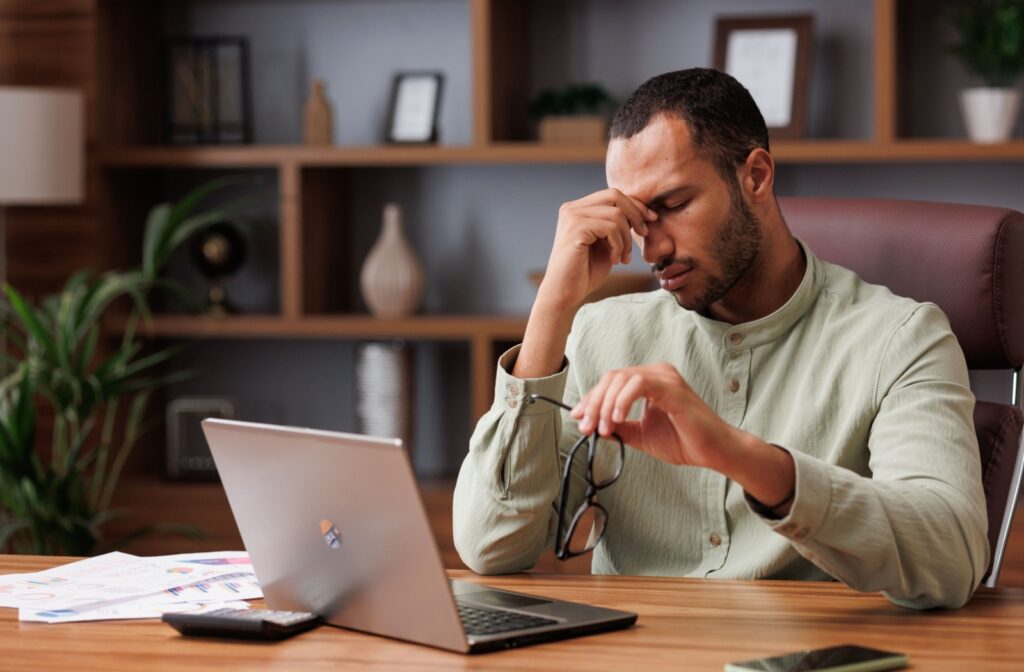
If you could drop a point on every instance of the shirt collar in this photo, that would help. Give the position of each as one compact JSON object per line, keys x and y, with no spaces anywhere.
{"x":774,"y":325}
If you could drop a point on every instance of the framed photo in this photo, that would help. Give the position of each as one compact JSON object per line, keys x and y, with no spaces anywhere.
{"x":415,"y":104}
{"x":771,"y":56}
{"x":206,"y":91}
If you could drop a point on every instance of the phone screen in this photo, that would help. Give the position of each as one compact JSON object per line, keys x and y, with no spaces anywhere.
{"x":837,"y":658}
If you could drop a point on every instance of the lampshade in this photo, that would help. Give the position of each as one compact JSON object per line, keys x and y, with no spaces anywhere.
{"x":41,"y":146}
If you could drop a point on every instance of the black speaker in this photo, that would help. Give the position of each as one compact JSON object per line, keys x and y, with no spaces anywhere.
{"x":188,"y":455}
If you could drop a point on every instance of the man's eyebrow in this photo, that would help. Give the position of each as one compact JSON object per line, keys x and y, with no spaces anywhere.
{"x":659,"y":200}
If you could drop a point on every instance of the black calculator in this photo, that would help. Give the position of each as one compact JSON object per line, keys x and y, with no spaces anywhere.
{"x":265,"y":624}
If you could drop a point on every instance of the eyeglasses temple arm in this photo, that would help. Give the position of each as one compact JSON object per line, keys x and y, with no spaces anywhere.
{"x":539,"y":397}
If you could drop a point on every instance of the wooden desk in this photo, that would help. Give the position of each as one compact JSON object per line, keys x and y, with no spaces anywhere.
{"x":684,"y":624}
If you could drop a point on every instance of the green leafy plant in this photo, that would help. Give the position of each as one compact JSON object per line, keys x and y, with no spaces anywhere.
{"x":991,"y":42}
{"x":56,"y":497}
{"x":573,"y":99}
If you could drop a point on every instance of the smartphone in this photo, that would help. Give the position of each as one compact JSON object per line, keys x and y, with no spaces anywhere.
{"x":245,"y":623}
{"x":843,"y":658}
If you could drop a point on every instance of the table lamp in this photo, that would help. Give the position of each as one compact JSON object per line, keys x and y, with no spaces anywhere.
{"x":41,"y":150}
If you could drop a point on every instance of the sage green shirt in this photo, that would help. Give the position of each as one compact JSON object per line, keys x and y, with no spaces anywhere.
{"x":868,"y":391}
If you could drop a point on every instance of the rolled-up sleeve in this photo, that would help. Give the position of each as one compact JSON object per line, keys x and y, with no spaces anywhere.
{"x":503,"y":511}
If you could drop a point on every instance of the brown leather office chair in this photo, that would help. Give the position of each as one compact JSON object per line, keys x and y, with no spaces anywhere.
{"x":968,"y":260}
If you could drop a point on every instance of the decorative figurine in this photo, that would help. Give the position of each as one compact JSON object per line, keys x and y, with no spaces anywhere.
{"x":317,"y":116}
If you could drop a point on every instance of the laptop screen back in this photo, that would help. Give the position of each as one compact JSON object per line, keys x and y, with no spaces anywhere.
{"x":334,"y":525}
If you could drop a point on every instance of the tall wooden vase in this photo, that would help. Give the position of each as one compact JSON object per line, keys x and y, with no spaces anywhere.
{"x":392,"y":279}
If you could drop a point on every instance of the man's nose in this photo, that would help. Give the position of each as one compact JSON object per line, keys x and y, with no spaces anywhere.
{"x":655,"y":245}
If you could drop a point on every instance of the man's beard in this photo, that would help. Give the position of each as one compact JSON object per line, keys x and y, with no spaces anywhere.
{"x":735,"y":247}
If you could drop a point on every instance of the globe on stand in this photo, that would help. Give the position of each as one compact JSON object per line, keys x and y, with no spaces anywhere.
{"x":218,"y":251}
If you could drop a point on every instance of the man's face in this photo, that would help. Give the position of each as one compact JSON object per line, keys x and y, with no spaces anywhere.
{"x":705,"y":238}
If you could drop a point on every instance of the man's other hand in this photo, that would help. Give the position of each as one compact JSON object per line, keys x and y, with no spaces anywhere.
{"x":676,"y":426}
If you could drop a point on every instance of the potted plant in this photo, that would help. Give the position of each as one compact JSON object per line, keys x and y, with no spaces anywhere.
{"x":991,"y":46}
{"x":575,"y":114}
{"x":56,"y":491}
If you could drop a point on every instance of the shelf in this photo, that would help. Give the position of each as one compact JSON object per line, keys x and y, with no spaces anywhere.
{"x":425,"y":328}
{"x":908,"y":150}
{"x":257,"y":156}
{"x":270,"y":156}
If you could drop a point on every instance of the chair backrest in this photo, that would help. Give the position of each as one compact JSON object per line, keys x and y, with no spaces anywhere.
{"x":968,"y":260}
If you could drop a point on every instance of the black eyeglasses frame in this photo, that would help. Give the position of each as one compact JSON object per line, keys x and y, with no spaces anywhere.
{"x":562,"y":550}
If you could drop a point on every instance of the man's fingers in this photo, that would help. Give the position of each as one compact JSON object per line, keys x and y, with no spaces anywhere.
{"x":591,"y":404}
{"x":613,"y":215}
{"x":620,"y":245}
{"x":631,"y":390}
{"x":636,"y":212}
{"x":607,"y":422}
{"x":648,"y":214}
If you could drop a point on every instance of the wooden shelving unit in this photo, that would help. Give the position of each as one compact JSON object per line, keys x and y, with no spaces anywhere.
{"x":127,"y":151}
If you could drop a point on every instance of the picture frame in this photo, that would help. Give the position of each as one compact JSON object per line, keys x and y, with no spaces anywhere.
{"x":415,"y":107}
{"x":207,"y":99}
{"x":771,"y":57}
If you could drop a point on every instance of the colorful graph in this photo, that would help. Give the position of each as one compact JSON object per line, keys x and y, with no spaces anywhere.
{"x":239,"y":560}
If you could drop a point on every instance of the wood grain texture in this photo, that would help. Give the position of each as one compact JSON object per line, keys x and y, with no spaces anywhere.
{"x":683,"y":624}
{"x":128,"y":73}
{"x":329,"y":269}
{"x":51,"y":44}
{"x":884,"y":53}
{"x":508,"y":37}
{"x":480,"y":21}
{"x":290,"y":239}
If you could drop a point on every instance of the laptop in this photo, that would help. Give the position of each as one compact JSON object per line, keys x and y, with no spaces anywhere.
{"x":334,"y":525}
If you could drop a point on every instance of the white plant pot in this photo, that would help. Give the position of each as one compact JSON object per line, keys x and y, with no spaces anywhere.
{"x":989,"y":113}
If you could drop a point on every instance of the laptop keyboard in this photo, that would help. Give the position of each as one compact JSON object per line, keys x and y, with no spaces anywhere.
{"x":481,"y":621}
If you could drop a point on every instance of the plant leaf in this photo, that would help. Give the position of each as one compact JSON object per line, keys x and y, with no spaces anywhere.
{"x":30,"y":320}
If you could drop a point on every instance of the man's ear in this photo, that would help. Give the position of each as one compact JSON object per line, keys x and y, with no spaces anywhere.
{"x":758,"y":175}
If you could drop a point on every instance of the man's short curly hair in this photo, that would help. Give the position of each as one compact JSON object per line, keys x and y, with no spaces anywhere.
{"x":722,"y":117}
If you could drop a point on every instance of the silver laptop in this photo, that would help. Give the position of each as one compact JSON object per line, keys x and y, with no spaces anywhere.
{"x":334,"y":525}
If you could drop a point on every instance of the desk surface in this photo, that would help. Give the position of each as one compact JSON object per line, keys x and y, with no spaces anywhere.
{"x":684,"y":624}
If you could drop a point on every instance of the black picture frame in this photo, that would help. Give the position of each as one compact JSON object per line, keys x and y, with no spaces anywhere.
{"x":414,"y":108}
{"x":799,"y":27}
{"x":207,"y":97}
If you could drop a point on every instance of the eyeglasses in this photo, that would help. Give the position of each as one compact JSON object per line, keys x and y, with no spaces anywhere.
{"x":605,"y":459}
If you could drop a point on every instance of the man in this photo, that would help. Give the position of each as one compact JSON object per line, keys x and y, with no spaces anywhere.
{"x":783,"y":418}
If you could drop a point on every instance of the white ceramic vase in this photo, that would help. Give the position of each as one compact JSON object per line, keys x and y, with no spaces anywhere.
{"x":989,"y":113}
{"x":391,"y":279}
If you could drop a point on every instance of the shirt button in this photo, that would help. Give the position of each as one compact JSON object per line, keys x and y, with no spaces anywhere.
{"x":734,"y":385}
{"x":512,"y":389}
{"x":735,"y":338}
{"x":512,"y":402}
{"x":714,"y":539}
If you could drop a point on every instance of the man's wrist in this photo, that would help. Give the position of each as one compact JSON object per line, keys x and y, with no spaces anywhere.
{"x":766,"y":472}
{"x":543,"y":350}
